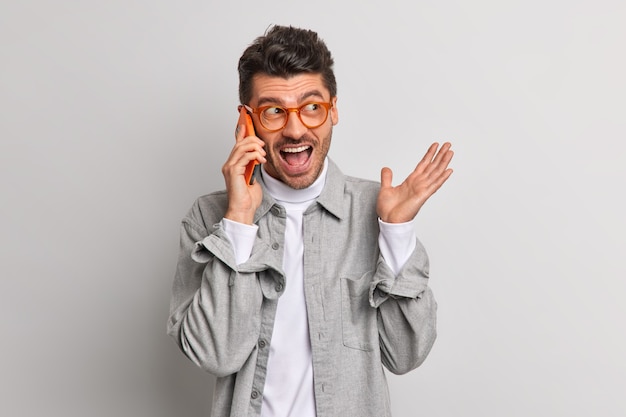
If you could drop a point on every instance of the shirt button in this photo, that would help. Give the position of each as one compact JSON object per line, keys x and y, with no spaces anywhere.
{"x":279,"y":287}
{"x":275,"y":246}
{"x":262,"y":344}
{"x":255,"y":395}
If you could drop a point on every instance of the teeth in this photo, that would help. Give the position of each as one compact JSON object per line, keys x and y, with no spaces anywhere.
{"x":296,"y":150}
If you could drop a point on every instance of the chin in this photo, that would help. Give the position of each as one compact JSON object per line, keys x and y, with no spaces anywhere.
{"x":299,"y":183}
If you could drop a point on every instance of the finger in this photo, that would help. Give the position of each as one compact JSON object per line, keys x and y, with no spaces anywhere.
{"x":428,"y":157}
{"x":249,"y":144}
{"x":440,"y":162}
{"x":441,"y":179}
{"x":240,"y":132}
{"x":245,"y":151}
{"x":234,"y":169}
{"x":436,"y":184}
{"x":386,"y":176}
{"x":445,"y":148}
{"x":251,"y":154}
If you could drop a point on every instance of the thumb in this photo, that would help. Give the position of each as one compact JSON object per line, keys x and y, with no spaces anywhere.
{"x":386,"y":175}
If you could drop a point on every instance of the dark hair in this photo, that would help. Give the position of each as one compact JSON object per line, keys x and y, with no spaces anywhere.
{"x":285,"y":51}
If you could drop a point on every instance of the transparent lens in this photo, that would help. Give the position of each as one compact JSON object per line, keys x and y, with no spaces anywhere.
{"x":311,"y":115}
{"x":273,"y":117}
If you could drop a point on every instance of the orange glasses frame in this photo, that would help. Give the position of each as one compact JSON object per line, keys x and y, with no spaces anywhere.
{"x":296,"y":110}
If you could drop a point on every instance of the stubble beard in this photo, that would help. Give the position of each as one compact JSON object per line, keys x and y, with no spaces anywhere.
{"x":305,"y":180}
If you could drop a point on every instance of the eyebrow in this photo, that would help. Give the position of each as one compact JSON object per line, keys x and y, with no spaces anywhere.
{"x":303,"y":97}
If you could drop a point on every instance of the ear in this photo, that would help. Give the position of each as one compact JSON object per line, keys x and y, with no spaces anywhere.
{"x":334,"y":113}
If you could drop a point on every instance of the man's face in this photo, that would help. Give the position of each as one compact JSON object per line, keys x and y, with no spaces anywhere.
{"x":295,"y":154}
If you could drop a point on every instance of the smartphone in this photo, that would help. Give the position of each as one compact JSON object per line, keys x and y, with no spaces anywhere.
{"x":253,"y":166}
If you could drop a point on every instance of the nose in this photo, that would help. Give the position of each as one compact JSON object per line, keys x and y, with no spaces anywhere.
{"x":294,"y":127}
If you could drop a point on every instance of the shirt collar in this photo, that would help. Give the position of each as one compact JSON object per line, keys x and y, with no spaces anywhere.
{"x":284,"y":193}
{"x":331,"y":196}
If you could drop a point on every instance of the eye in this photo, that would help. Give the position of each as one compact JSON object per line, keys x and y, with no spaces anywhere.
{"x":273,"y":112}
{"x":311,"y":108}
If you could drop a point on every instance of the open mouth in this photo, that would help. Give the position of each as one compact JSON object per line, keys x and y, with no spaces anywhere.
{"x":296,"y":156}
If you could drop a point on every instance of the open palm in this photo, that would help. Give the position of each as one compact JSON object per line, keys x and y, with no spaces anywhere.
{"x":402,"y":203}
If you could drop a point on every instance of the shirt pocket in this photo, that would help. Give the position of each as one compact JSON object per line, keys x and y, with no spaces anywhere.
{"x":358,"y":317}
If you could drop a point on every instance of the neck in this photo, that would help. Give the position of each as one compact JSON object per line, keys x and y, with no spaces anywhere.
{"x":281,"y":192}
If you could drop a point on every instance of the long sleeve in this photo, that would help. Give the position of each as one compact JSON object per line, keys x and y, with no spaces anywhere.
{"x":407,"y":311}
{"x":215,"y":309}
{"x":242,"y":237}
{"x":396,"y":242}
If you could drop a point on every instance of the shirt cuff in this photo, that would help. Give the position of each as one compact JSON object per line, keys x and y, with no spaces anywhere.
{"x":242,"y":237}
{"x":396,"y":242}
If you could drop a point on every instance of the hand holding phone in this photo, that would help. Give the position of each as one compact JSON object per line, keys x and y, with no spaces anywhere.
{"x":246,"y":121}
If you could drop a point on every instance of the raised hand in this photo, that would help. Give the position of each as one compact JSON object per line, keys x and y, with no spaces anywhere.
{"x":402,"y":203}
{"x":243,"y":199}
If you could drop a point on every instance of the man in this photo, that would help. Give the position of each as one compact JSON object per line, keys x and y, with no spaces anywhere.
{"x":296,"y":290}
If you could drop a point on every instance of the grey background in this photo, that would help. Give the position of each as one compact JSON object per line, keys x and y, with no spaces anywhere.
{"x":115,"y":115}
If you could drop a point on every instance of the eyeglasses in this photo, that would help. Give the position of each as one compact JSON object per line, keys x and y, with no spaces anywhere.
{"x":274,"y":118}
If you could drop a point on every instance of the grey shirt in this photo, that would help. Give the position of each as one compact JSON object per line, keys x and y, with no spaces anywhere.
{"x":361,"y":316}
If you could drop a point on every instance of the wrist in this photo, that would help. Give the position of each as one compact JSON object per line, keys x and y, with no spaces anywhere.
{"x":239,"y":216}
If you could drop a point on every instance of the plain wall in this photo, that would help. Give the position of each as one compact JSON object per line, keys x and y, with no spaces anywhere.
{"x":115,"y":115}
